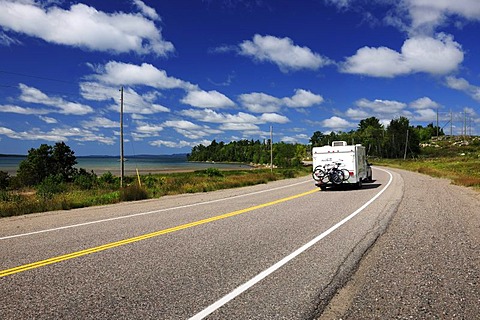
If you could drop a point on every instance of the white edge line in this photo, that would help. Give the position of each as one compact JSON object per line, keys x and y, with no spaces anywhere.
{"x":259,"y":277}
{"x":145,"y":213}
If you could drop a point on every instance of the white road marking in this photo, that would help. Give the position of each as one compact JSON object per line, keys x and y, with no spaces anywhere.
{"x":147,"y":213}
{"x":262,"y":275}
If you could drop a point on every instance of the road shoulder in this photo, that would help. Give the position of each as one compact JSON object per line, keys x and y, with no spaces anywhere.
{"x":425,"y":265}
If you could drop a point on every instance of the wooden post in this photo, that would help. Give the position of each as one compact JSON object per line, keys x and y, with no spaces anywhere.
{"x":122,"y":162}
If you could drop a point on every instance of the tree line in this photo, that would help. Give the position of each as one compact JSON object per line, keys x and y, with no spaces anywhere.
{"x":397,"y":140}
{"x":49,"y":168}
{"x":250,"y":151}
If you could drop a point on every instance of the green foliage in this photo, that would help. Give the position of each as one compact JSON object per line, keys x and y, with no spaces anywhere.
{"x":150,"y":181}
{"x":397,"y":140}
{"x":287,"y":174}
{"x":45,"y":161}
{"x":4,"y":180}
{"x":317,"y":139}
{"x":50,"y":186}
{"x":108,"y":179}
{"x":213,"y":172}
{"x":249,"y":151}
{"x":85,"y":180}
{"x":63,"y":161}
{"x":154,"y":184}
{"x":426,"y":133}
{"x":244,"y":151}
{"x":402,"y":139}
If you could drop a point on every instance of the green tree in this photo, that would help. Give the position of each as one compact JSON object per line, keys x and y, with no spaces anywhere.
{"x":426,"y":133}
{"x":370,"y":133}
{"x":300,"y":151}
{"x":47,"y":161}
{"x":64,"y":161}
{"x":401,"y":139}
{"x":36,"y":167}
{"x":317,"y":139}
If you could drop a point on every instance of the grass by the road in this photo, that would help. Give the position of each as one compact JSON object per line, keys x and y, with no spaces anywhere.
{"x":106,"y":191}
{"x":455,"y":158}
{"x":461,"y":170}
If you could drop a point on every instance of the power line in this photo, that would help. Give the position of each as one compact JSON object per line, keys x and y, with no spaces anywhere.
{"x":35,"y":77}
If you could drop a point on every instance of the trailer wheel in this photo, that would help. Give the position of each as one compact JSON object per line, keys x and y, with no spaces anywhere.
{"x":359,"y":184}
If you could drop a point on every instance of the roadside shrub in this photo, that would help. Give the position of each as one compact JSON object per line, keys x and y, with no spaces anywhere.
{"x":154,"y":184}
{"x":108,"y":179}
{"x":4,"y":196}
{"x":4,"y":180}
{"x":213,"y":172}
{"x":150,"y":181}
{"x":132,"y":193}
{"x":50,"y":186}
{"x":85,"y":180}
{"x":288,"y":173}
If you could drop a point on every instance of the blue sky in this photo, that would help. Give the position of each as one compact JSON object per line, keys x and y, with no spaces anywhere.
{"x":198,"y":70}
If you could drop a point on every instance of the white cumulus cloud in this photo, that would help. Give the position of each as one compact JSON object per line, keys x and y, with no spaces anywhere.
{"x":207,"y":99}
{"x":282,"y":52}
{"x":337,"y":124}
{"x":33,"y":95}
{"x":463,"y":85}
{"x":426,"y":15}
{"x":382,"y":106}
{"x":274,"y":118}
{"x":146,"y":10}
{"x":259,"y":102}
{"x":120,"y":73}
{"x":96,"y":123}
{"x":424,"y":103}
{"x":303,"y":99}
{"x":437,"y":56}
{"x":84,"y":26}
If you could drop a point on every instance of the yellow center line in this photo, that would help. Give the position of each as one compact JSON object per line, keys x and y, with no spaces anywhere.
{"x":38,"y":264}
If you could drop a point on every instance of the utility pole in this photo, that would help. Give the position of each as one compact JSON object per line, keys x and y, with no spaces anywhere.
{"x":406,"y":145}
{"x":271,"y":148}
{"x":470,"y":126}
{"x":437,"y":123}
{"x":122,"y":164}
{"x":451,"y":124}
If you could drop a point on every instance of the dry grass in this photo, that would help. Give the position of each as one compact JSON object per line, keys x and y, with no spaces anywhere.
{"x":460,"y":170}
{"x":467,"y":182}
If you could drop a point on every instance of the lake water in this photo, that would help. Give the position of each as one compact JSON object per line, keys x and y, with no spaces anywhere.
{"x":144,"y":164}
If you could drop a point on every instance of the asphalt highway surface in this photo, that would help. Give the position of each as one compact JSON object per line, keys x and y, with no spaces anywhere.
{"x":280,"y":250}
{"x":427,"y":263}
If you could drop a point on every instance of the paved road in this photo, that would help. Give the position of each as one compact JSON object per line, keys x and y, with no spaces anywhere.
{"x":276,"y":251}
{"x":427,"y":263}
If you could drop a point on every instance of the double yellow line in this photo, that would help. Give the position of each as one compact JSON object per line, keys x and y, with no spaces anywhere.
{"x":38,"y":264}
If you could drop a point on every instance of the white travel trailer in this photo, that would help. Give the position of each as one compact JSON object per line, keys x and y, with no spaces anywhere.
{"x":339,"y":164}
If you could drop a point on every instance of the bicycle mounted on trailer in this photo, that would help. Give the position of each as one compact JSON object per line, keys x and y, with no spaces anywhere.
{"x":340,"y":163}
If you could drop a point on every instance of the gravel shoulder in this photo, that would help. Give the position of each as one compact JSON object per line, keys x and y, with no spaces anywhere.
{"x":425,"y":265}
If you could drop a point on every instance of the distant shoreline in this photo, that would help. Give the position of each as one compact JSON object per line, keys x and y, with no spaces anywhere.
{"x":133,"y":172}
{"x":145,"y":164}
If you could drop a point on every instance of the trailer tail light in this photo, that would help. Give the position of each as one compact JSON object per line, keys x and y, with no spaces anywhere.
{"x":352,"y":173}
